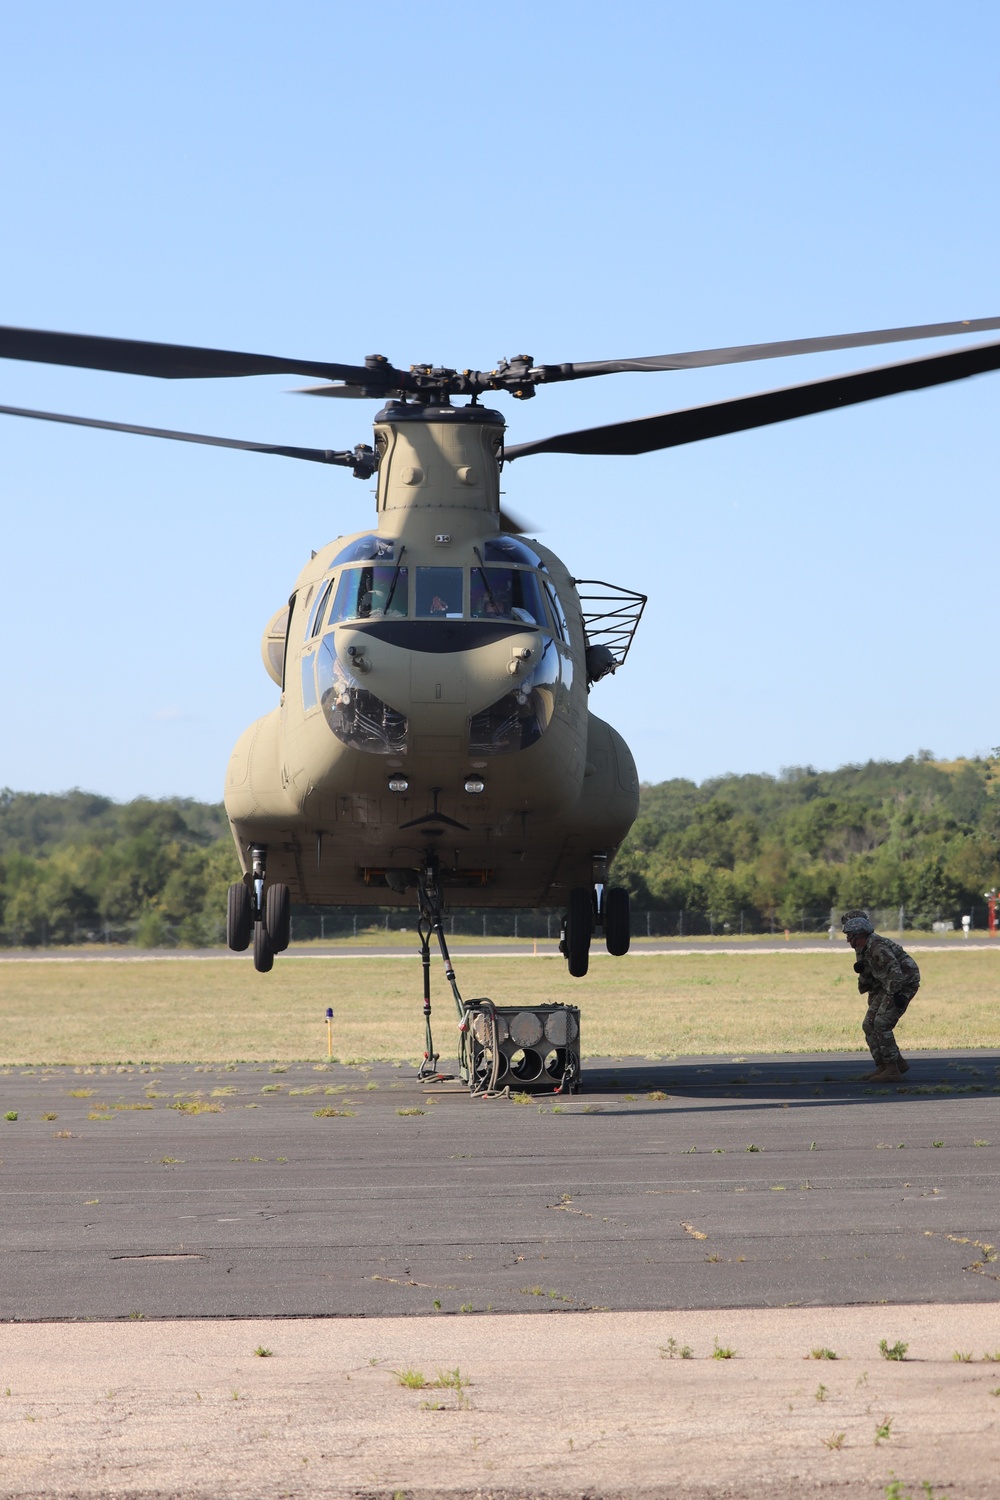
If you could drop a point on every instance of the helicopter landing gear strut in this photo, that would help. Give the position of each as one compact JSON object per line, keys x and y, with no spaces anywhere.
{"x":602,"y":906}
{"x":430,"y":925}
{"x":263,"y":914}
{"x":578,"y":927}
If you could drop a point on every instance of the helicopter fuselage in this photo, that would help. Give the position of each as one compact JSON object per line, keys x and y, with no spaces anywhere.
{"x":434,"y":699}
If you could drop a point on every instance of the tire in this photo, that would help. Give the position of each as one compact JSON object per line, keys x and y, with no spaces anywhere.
{"x":278,"y":916}
{"x":579,"y":926}
{"x":263,"y":952}
{"x":617,"y":925}
{"x":239,"y":918}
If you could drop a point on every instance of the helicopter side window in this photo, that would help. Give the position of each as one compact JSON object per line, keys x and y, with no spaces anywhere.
{"x":371,"y":594}
{"x":309,"y":699}
{"x":506,"y":594}
{"x":440,"y":593}
{"x":319,"y":608}
{"x":558,"y":613}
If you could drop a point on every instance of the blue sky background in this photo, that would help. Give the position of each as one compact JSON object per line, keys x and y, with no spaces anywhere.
{"x":449,"y":183}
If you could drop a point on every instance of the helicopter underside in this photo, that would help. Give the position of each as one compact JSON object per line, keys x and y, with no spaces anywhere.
{"x":343,"y":841}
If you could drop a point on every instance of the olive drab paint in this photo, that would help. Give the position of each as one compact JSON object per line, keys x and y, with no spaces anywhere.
{"x":436,"y":650}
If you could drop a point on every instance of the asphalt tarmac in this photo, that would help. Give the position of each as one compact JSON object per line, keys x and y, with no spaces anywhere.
{"x":257,"y":1191}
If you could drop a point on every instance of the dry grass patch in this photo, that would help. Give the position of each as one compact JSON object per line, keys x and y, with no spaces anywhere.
{"x":706,"y":1003}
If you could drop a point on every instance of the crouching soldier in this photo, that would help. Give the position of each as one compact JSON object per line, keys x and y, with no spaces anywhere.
{"x":890,"y":978}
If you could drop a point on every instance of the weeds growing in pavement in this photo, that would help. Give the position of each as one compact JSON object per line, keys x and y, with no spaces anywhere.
{"x":672,"y":1350}
{"x":892,"y":1351}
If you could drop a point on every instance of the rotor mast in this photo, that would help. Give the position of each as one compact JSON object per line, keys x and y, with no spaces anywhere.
{"x":440,"y":459}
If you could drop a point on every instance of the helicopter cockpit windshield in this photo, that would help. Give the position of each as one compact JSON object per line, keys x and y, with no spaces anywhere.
{"x":505,"y":594}
{"x":440,"y":593}
{"x":371,"y":593}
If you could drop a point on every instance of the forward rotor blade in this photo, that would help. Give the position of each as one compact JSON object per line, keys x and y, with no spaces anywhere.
{"x":350,"y":392}
{"x":316,"y":455}
{"x":671,"y":429}
{"x":739,"y":353}
{"x":168,"y":361}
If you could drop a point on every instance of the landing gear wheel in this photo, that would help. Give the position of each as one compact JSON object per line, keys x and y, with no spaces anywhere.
{"x":579,"y":926}
{"x":617,"y":927}
{"x":263,"y":950}
{"x":278,"y":916}
{"x":239,"y":918}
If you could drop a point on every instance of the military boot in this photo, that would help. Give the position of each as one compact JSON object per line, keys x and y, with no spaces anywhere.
{"x":891,"y":1074}
{"x":902,"y":1064}
{"x":871,"y":1077}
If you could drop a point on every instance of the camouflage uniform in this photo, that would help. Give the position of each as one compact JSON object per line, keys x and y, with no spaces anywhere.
{"x":890,"y":978}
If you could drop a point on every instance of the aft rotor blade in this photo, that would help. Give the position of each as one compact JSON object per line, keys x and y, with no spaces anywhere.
{"x":700,"y":358}
{"x":694,"y":424}
{"x":316,"y":455}
{"x":510,"y":521}
{"x":167,"y":361}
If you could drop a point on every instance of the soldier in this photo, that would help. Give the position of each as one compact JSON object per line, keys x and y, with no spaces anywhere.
{"x":890,"y":978}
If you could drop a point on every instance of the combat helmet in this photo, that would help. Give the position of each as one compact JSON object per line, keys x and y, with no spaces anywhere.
{"x":855,"y":923}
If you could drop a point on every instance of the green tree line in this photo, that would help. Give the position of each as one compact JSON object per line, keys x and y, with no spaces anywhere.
{"x":920,"y":833}
{"x":78,"y":867}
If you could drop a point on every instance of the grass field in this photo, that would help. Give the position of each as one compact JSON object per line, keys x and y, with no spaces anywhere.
{"x":205,"y":1010}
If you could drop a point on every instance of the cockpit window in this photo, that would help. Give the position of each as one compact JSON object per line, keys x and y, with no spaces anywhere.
{"x":558,"y":613}
{"x":510,"y":549}
{"x":309,"y":699}
{"x":373,"y":593}
{"x":366,"y":549}
{"x":439,"y":593}
{"x":316,"y":618}
{"x":506,"y":594}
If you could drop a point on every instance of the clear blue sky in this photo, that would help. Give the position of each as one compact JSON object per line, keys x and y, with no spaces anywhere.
{"x":454,"y":183}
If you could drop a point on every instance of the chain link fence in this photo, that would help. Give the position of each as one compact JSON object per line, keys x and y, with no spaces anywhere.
{"x":329,"y":924}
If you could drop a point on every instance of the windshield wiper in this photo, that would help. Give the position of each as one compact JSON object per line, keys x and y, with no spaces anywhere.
{"x":482,"y":574}
{"x":395,"y":580}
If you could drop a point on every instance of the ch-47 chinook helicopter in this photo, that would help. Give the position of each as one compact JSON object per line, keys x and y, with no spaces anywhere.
{"x":434,"y":732}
